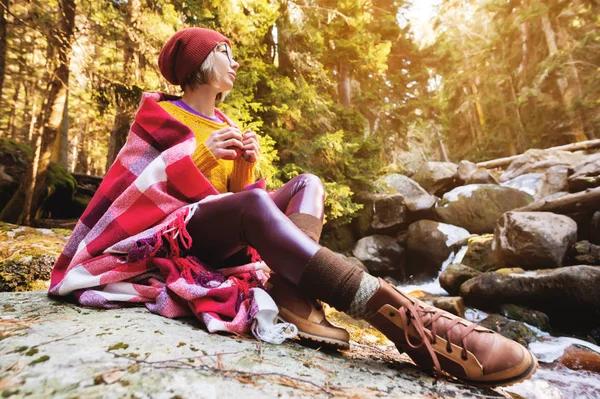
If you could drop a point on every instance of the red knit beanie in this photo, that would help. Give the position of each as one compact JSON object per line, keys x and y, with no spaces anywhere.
{"x":185,"y":51}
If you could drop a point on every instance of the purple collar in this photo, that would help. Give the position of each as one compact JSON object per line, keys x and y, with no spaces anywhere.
{"x":189,"y":109}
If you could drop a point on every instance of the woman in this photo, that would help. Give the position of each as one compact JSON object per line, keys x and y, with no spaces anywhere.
{"x":180,"y":198}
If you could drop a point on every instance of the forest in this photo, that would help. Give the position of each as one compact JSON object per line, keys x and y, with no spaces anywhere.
{"x":343,"y":89}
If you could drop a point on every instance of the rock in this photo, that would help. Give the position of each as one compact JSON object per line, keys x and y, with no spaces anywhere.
{"x":583,"y":253}
{"x":586,"y":174}
{"x":482,"y":176}
{"x":595,"y":229}
{"x":514,"y":330}
{"x":533,"y":161}
{"x":468,"y":173}
{"x":555,"y":180}
{"x":338,"y":238}
{"x":381,"y":214}
{"x":580,"y":358}
{"x":455,"y":275}
{"x":27,"y":256}
{"x":14,"y":161}
{"x":465,"y":170}
{"x":529,"y":183}
{"x":380,"y":254}
{"x":477,"y":207}
{"x":533,"y":239}
{"x":479,"y":253}
{"x":56,"y":349}
{"x":570,"y":296}
{"x":416,"y":198}
{"x":532,"y":317}
{"x":429,"y":244}
{"x":452,"y":304}
{"x":437,"y":177}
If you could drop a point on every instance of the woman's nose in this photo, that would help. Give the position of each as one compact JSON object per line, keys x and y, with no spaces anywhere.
{"x":234,"y":65}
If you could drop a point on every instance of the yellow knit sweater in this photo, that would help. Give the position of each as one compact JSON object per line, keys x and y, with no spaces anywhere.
{"x":225,"y":175}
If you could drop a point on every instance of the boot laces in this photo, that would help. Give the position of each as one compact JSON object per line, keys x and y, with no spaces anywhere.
{"x":426,"y":321}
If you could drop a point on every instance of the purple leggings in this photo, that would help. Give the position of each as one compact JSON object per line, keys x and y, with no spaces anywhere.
{"x":222,"y":227}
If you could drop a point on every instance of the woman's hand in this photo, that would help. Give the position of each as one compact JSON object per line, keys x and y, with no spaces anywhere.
{"x":226,"y":143}
{"x":251,"y":148}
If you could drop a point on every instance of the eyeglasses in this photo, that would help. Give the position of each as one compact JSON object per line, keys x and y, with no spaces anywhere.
{"x":224,"y":48}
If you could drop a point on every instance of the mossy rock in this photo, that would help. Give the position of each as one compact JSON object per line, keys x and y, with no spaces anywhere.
{"x":27,"y":256}
{"x":526,"y":315}
{"x":14,"y":161}
{"x":514,"y":330}
{"x":61,"y":187}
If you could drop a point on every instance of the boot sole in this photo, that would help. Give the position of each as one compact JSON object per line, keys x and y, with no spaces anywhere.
{"x":509,"y":381}
{"x":319,"y":339}
{"x":330,"y":342}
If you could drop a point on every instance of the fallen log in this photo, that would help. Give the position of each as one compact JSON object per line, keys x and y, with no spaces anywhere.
{"x":570,"y":203}
{"x":582,"y":145}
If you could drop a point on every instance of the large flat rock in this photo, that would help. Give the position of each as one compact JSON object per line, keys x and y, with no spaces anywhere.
{"x":59,"y":350}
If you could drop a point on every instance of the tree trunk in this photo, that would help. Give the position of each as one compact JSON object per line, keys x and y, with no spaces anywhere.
{"x":3,"y":42}
{"x":344,"y":83}
{"x":60,"y":152}
{"x":118,"y":134}
{"x":566,"y":91}
{"x":12,"y":118}
{"x":284,"y":62}
{"x":52,"y":114}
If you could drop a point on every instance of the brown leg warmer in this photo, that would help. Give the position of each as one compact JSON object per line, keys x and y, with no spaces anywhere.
{"x":331,"y":279}
{"x":309,"y":224}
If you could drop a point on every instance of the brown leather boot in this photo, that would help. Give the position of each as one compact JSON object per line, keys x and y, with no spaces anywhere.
{"x":307,"y":314}
{"x":438,"y":340}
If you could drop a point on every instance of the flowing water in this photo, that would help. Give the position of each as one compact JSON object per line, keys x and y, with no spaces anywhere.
{"x":552,"y":380}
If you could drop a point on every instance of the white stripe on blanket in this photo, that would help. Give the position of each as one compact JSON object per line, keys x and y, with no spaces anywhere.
{"x":77,"y":278}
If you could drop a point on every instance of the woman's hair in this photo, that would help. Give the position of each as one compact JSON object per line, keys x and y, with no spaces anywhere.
{"x":205,"y":75}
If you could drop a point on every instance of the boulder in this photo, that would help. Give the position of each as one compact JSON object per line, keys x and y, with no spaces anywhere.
{"x":482,"y":176}
{"x":437,"y":177}
{"x":529,"y":183}
{"x":511,"y":329}
{"x":534,"y":161}
{"x":595,"y":228}
{"x":338,"y":238}
{"x":380,"y":254}
{"x":533,"y":240}
{"x":570,"y":296}
{"x":585,"y":174}
{"x":479,"y":253}
{"x":532,"y":317}
{"x":477,"y":207}
{"x":455,"y":275}
{"x":27,"y":256}
{"x":580,"y":358}
{"x":381,"y":214}
{"x":465,"y":170}
{"x":55,"y":349}
{"x":415,"y":197}
{"x":583,"y":253}
{"x":555,"y":180}
{"x":452,"y":304}
{"x":14,"y":161}
{"x":429,"y":244}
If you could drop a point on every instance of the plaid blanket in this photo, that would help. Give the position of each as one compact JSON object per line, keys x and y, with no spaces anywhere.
{"x":130,"y":245}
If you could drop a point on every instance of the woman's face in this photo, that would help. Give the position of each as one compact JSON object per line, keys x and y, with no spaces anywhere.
{"x":225,"y":67}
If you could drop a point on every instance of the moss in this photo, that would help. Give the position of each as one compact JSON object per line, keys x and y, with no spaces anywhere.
{"x":181,"y":344}
{"x":120,"y":345}
{"x":8,"y":393}
{"x":41,"y":359}
{"x":21,"y":349}
{"x":32,"y":351}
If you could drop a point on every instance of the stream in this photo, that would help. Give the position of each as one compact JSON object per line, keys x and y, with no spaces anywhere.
{"x":552,"y":380}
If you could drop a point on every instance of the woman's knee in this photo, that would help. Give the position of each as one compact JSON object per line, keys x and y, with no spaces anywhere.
{"x":257,"y":204}
{"x":312,"y":181}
